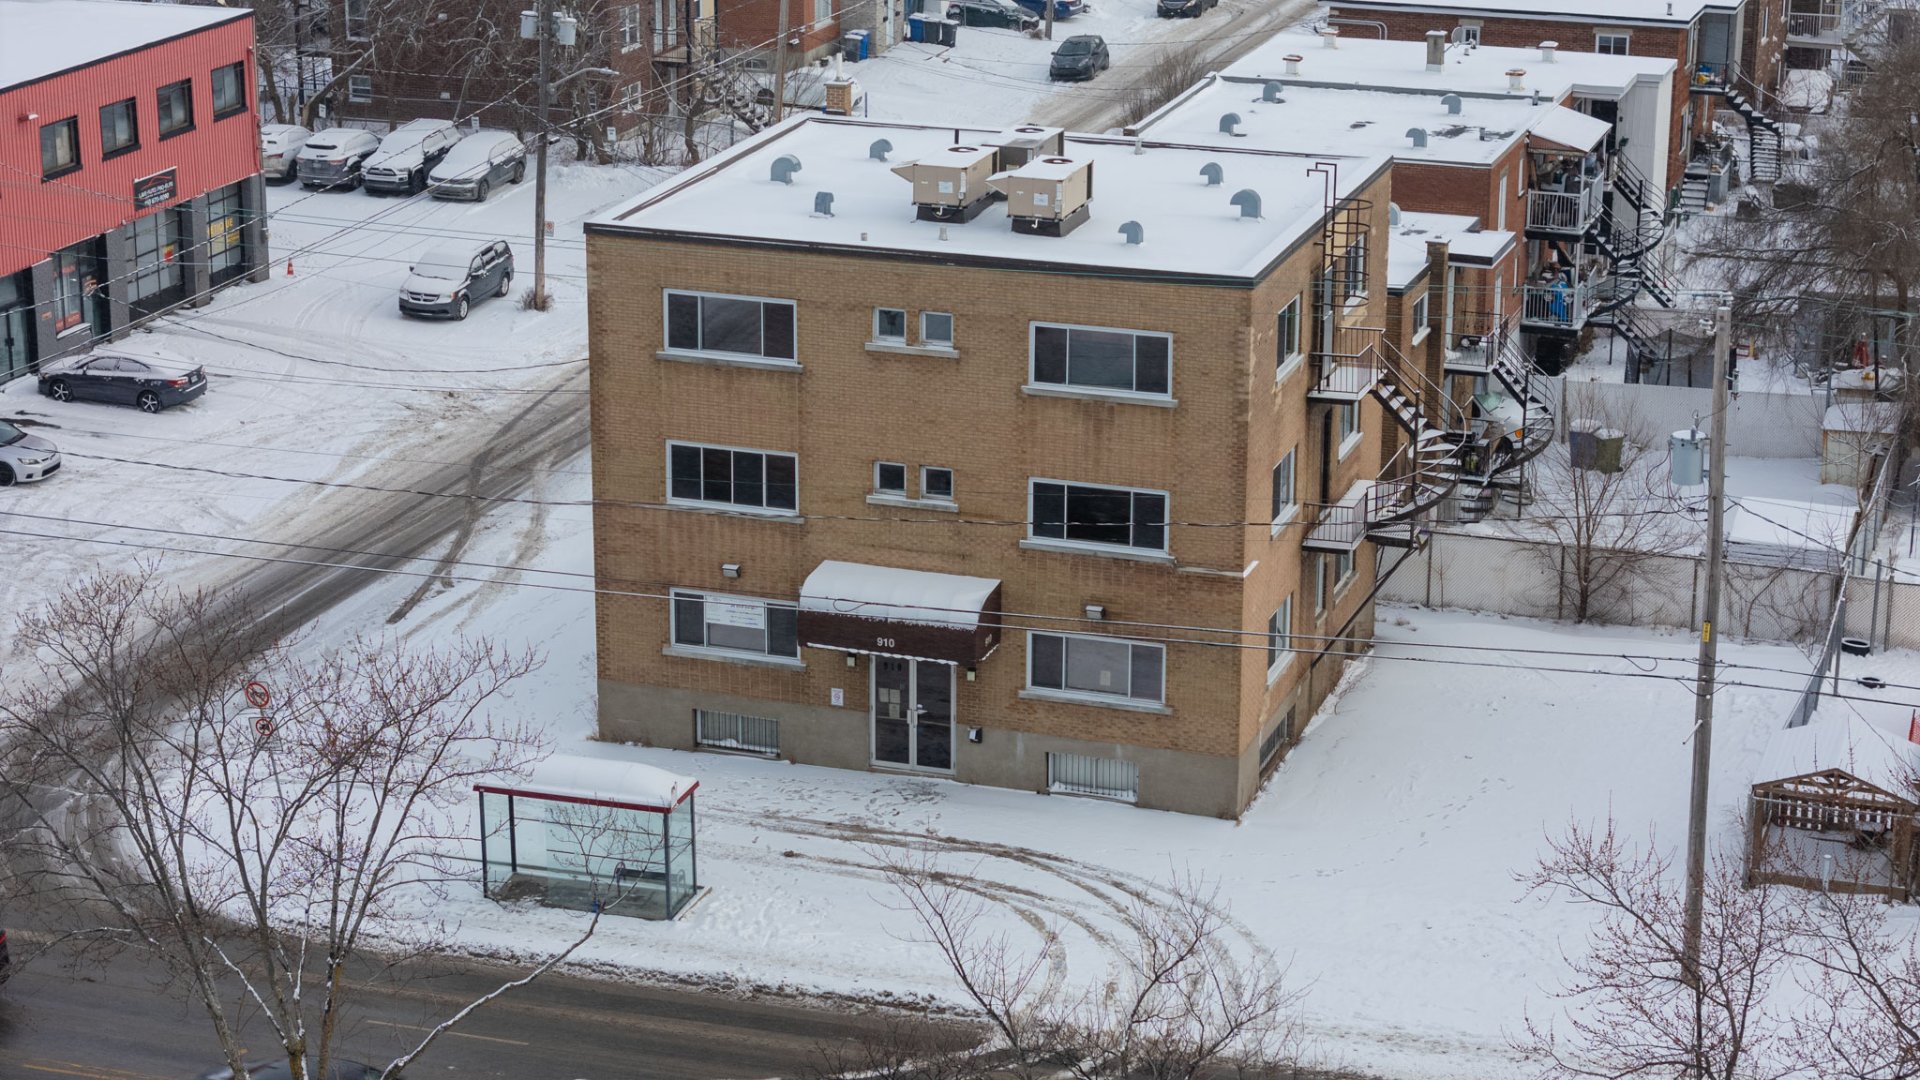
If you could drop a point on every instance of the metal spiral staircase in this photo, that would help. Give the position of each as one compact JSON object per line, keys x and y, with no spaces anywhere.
{"x":1764,"y":133}
{"x":726,"y":84}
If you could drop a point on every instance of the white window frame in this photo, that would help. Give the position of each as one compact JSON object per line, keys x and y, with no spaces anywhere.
{"x":1166,"y":531}
{"x":630,"y":26}
{"x":738,"y":508}
{"x":360,"y":89}
{"x":1347,"y":416}
{"x":354,"y":13}
{"x":822,"y":12}
{"x":899,"y":492}
{"x":1345,"y":566}
{"x":931,"y":342}
{"x":929,"y":496}
{"x":1357,"y":283}
{"x":1280,"y":641}
{"x":676,"y":647}
{"x":1097,"y":697}
{"x":1078,"y":390}
{"x":889,"y":339}
{"x":1500,"y":204}
{"x":1291,"y":355}
{"x":760,"y":359}
{"x":1291,"y":510}
{"x":1625,"y":37}
{"x":1421,"y":311}
{"x":1470,"y":32}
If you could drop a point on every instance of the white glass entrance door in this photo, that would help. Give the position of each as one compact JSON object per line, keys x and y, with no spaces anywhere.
{"x":912,"y":713}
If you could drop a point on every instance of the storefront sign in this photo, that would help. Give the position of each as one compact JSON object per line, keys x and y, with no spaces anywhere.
{"x":154,"y":190}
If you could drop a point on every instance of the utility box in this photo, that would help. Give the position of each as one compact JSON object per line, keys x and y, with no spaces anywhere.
{"x":1687,"y":462}
{"x":1049,"y":196}
{"x":952,"y":185}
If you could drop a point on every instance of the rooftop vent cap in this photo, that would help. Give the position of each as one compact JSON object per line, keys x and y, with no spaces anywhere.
{"x":1452,"y":102}
{"x":963,"y":149}
{"x":784,"y":167}
{"x":1516,"y":78}
{"x":1293,"y":63}
{"x":1271,"y":93}
{"x":1248,"y":200}
{"x":823,"y":203}
{"x":880,"y":149}
{"x":1133,"y":232}
{"x":1419,"y":137}
{"x":1547,"y":49}
{"x":1230,"y":123}
{"x":1214,"y":174}
{"x":1330,"y":37}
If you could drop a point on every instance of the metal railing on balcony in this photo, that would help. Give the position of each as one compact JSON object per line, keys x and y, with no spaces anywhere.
{"x":1569,"y":212}
{"x":1815,"y":25}
{"x":1340,"y":526}
{"x":1558,"y":305}
{"x":1346,"y":363}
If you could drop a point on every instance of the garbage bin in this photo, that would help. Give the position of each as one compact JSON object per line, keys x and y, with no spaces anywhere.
{"x":948,"y":30}
{"x":917,"y":27}
{"x":1608,"y":446}
{"x":1581,"y":443}
{"x":865,"y":38}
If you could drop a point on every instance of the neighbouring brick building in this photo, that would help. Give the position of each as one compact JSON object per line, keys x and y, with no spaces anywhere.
{"x":1070,"y":479}
{"x":1717,"y":45}
{"x":132,"y":167}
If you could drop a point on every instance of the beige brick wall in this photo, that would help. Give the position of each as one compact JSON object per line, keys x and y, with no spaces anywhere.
{"x":849,"y":407}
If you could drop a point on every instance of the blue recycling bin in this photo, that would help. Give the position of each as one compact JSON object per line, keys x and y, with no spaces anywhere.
{"x":917,"y":28}
{"x":864,"y":38}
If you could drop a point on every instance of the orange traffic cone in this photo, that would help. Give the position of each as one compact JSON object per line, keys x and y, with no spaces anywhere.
{"x":289,"y":267}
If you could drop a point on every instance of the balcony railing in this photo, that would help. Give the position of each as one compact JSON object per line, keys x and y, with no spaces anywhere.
{"x":1814,"y":26}
{"x":1347,"y":366}
{"x":1558,"y":305}
{"x":1342,"y":526}
{"x":1568,"y":212}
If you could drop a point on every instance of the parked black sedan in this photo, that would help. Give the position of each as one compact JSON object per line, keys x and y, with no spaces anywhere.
{"x":1004,"y":13}
{"x":146,"y":384}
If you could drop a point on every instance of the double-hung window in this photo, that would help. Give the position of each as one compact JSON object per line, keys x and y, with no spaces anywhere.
{"x":1101,"y":667}
{"x":1288,"y":346}
{"x":712,"y":324}
{"x":119,"y":128}
{"x":229,"y":90}
{"x":175,"y":101}
{"x":729,"y":478}
{"x":360,"y":89}
{"x":1353,"y":270}
{"x":1347,"y":421}
{"x":735,"y":624}
{"x":356,"y":11}
{"x":1611,"y":44}
{"x":1280,"y":638}
{"x":1098,"y":515}
{"x":630,"y":25}
{"x":1091,"y":358}
{"x":1420,"y":317}
{"x":1285,"y":503}
{"x":59,"y":147}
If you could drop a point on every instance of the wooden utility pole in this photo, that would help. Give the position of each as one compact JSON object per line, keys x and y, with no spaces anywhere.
{"x":780,"y":66}
{"x":1709,"y":649}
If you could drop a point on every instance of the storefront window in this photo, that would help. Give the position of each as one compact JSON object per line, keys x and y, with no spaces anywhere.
{"x":156,"y":259}
{"x":226,"y":213}
{"x":78,"y":295}
{"x":16,"y":326}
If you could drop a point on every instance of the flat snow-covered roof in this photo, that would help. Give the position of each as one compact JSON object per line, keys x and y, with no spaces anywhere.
{"x":1570,"y":128}
{"x":1466,"y":242}
{"x":1190,"y":229}
{"x":1348,"y":120}
{"x":600,"y":780}
{"x":1402,"y":65}
{"x":1664,"y":12}
{"x":39,"y":38}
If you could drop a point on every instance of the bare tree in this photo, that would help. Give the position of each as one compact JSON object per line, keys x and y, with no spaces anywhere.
{"x":236,"y":845}
{"x":1176,"y":68}
{"x":1178,"y":1004}
{"x":1635,"y":1008}
{"x":1860,"y":1017}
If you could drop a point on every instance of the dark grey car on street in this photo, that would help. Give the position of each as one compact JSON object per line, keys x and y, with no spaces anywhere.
{"x":147,"y":384}
{"x":450,"y":276}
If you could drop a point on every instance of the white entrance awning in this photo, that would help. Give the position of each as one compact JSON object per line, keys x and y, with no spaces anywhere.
{"x":858,"y":607}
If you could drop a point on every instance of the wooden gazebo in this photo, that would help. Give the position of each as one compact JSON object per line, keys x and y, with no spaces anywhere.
{"x":1838,"y":813}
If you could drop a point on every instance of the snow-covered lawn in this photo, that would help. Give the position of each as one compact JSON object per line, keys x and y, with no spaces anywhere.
{"x":314,"y":377}
{"x":1378,"y":864}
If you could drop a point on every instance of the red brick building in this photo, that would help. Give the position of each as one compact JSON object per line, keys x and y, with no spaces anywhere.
{"x":130,"y":170}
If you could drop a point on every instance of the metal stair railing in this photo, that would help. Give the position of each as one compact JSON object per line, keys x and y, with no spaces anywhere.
{"x":1427,"y":468}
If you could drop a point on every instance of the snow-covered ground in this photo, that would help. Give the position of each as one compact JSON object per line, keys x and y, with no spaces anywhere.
{"x":1378,"y":865}
{"x":315,"y":377}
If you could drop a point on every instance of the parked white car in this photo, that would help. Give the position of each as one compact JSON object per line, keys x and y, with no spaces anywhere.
{"x":279,"y":147}
{"x":481,"y":160}
{"x":25,"y":458}
{"x":408,"y":154}
{"x":332,"y":158}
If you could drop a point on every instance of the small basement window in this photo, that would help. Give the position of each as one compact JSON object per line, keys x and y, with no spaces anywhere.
{"x":1105,"y":778}
{"x":889,"y":478}
{"x":732,"y":731}
{"x":936,"y":328}
{"x":890,"y":325}
{"x":936,"y":483}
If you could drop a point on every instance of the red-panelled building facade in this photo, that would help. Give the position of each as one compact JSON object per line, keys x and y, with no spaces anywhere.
{"x":129,"y":169}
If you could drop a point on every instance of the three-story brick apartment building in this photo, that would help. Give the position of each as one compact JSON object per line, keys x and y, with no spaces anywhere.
{"x":1023,"y":458}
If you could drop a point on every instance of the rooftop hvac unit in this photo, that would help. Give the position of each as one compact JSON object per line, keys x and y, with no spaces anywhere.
{"x":1022,"y":144}
{"x":1048,"y":196}
{"x":953,"y":184}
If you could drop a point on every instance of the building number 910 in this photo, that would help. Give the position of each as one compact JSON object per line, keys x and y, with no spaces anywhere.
{"x":884,"y":643}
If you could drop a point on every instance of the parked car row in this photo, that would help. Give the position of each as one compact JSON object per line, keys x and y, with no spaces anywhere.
{"x":433,"y":156}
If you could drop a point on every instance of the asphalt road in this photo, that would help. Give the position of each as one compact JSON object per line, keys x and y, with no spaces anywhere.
{"x":118,"y":1022}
